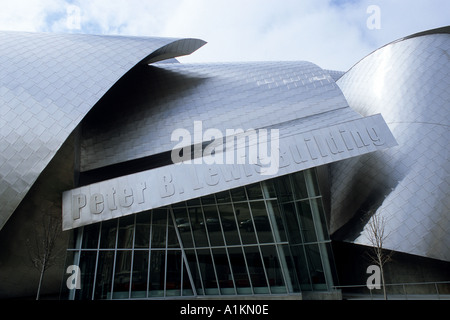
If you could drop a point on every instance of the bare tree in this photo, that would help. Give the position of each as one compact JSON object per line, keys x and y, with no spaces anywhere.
{"x":376,"y":229}
{"x":42,"y":251}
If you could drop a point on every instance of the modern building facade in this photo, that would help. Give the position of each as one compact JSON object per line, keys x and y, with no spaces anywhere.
{"x":206,"y":180}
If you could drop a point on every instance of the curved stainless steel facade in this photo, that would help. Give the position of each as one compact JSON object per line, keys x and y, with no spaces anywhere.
{"x":407,"y":82}
{"x":48,"y":83}
{"x":222,"y":95}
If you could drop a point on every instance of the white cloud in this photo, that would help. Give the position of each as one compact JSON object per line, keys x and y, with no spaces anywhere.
{"x":330,"y":33}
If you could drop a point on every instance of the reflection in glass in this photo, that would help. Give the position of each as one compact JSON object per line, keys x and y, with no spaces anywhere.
{"x":261,"y":221}
{"x":104,"y":274}
{"x":228,"y":220}
{"x":213,"y":225}
{"x":172,"y":238}
{"x":298,"y":181}
{"x":223,"y":197}
{"x":245,"y":221}
{"x":157,"y":273}
{"x":159,"y":226}
{"x":142,"y":237}
{"x":315,"y":266}
{"x":301,"y":267}
{"x":87,"y":269}
{"x":292,"y":223}
{"x":122,"y":274}
{"x":283,"y":188}
{"x":184,"y":226}
{"x":256,"y":270}
{"x":289,"y":268}
{"x":126,"y":231}
{"x":173,"y":281}
{"x":238,"y":194}
{"x":198,"y":226}
{"x":187,"y":287}
{"x":240,"y":273}
{"x":90,"y":236}
{"x":108,"y":234}
{"x":140,"y":274}
{"x":194,"y":268}
{"x":254,"y":191}
{"x":223,"y":270}
{"x":276,"y":220}
{"x":207,"y":273}
{"x":306,"y":220}
{"x":273,"y":269}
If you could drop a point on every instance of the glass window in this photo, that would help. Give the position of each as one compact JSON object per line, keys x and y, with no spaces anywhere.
{"x":229,"y":226}
{"x":273,"y":269}
{"x":274,"y":242}
{"x":240,"y":273}
{"x":193,"y":202}
{"x":301,"y":267}
{"x":122,"y":274}
{"x":283,"y":188}
{"x":126,"y":231}
{"x":245,"y":222}
{"x":184,"y":226}
{"x":209,"y":199}
{"x":87,"y":269}
{"x":172,"y":238}
{"x":140,"y":274}
{"x":261,"y":221}
{"x":315,"y":267}
{"x":108,"y":234}
{"x":90,"y":236}
{"x":187,"y":287}
{"x":311,"y":181}
{"x":194,"y":268}
{"x":289,"y":268}
{"x":319,"y":218}
{"x":306,"y":221}
{"x":238,"y":194}
{"x":142,"y":237}
{"x":223,"y":197}
{"x":298,"y":181}
{"x":256,"y":270}
{"x":254,"y":191}
{"x":157,"y":273}
{"x":276,"y":220}
{"x":292,"y":223}
{"x":269,"y":189}
{"x":205,"y":265}
{"x":174,"y":269}
{"x":104,"y":274}
{"x":213,"y":225}
{"x":223,"y":270}
{"x":198,"y":226}
{"x":159,"y":226}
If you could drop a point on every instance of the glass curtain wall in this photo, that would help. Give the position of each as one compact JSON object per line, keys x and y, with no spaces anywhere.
{"x":265,"y":238}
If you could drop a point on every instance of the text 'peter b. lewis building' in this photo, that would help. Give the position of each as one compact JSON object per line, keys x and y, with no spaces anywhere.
{"x":153,"y":179}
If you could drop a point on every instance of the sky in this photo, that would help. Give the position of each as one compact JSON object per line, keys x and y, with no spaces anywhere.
{"x":334,"y":34}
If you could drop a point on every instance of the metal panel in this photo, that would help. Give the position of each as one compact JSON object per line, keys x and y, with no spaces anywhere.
{"x":154,"y":101}
{"x":407,"y":82}
{"x":48,"y":82}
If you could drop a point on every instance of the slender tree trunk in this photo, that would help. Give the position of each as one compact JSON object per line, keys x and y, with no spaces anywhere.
{"x":382,"y":279}
{"x":41,"y":278}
